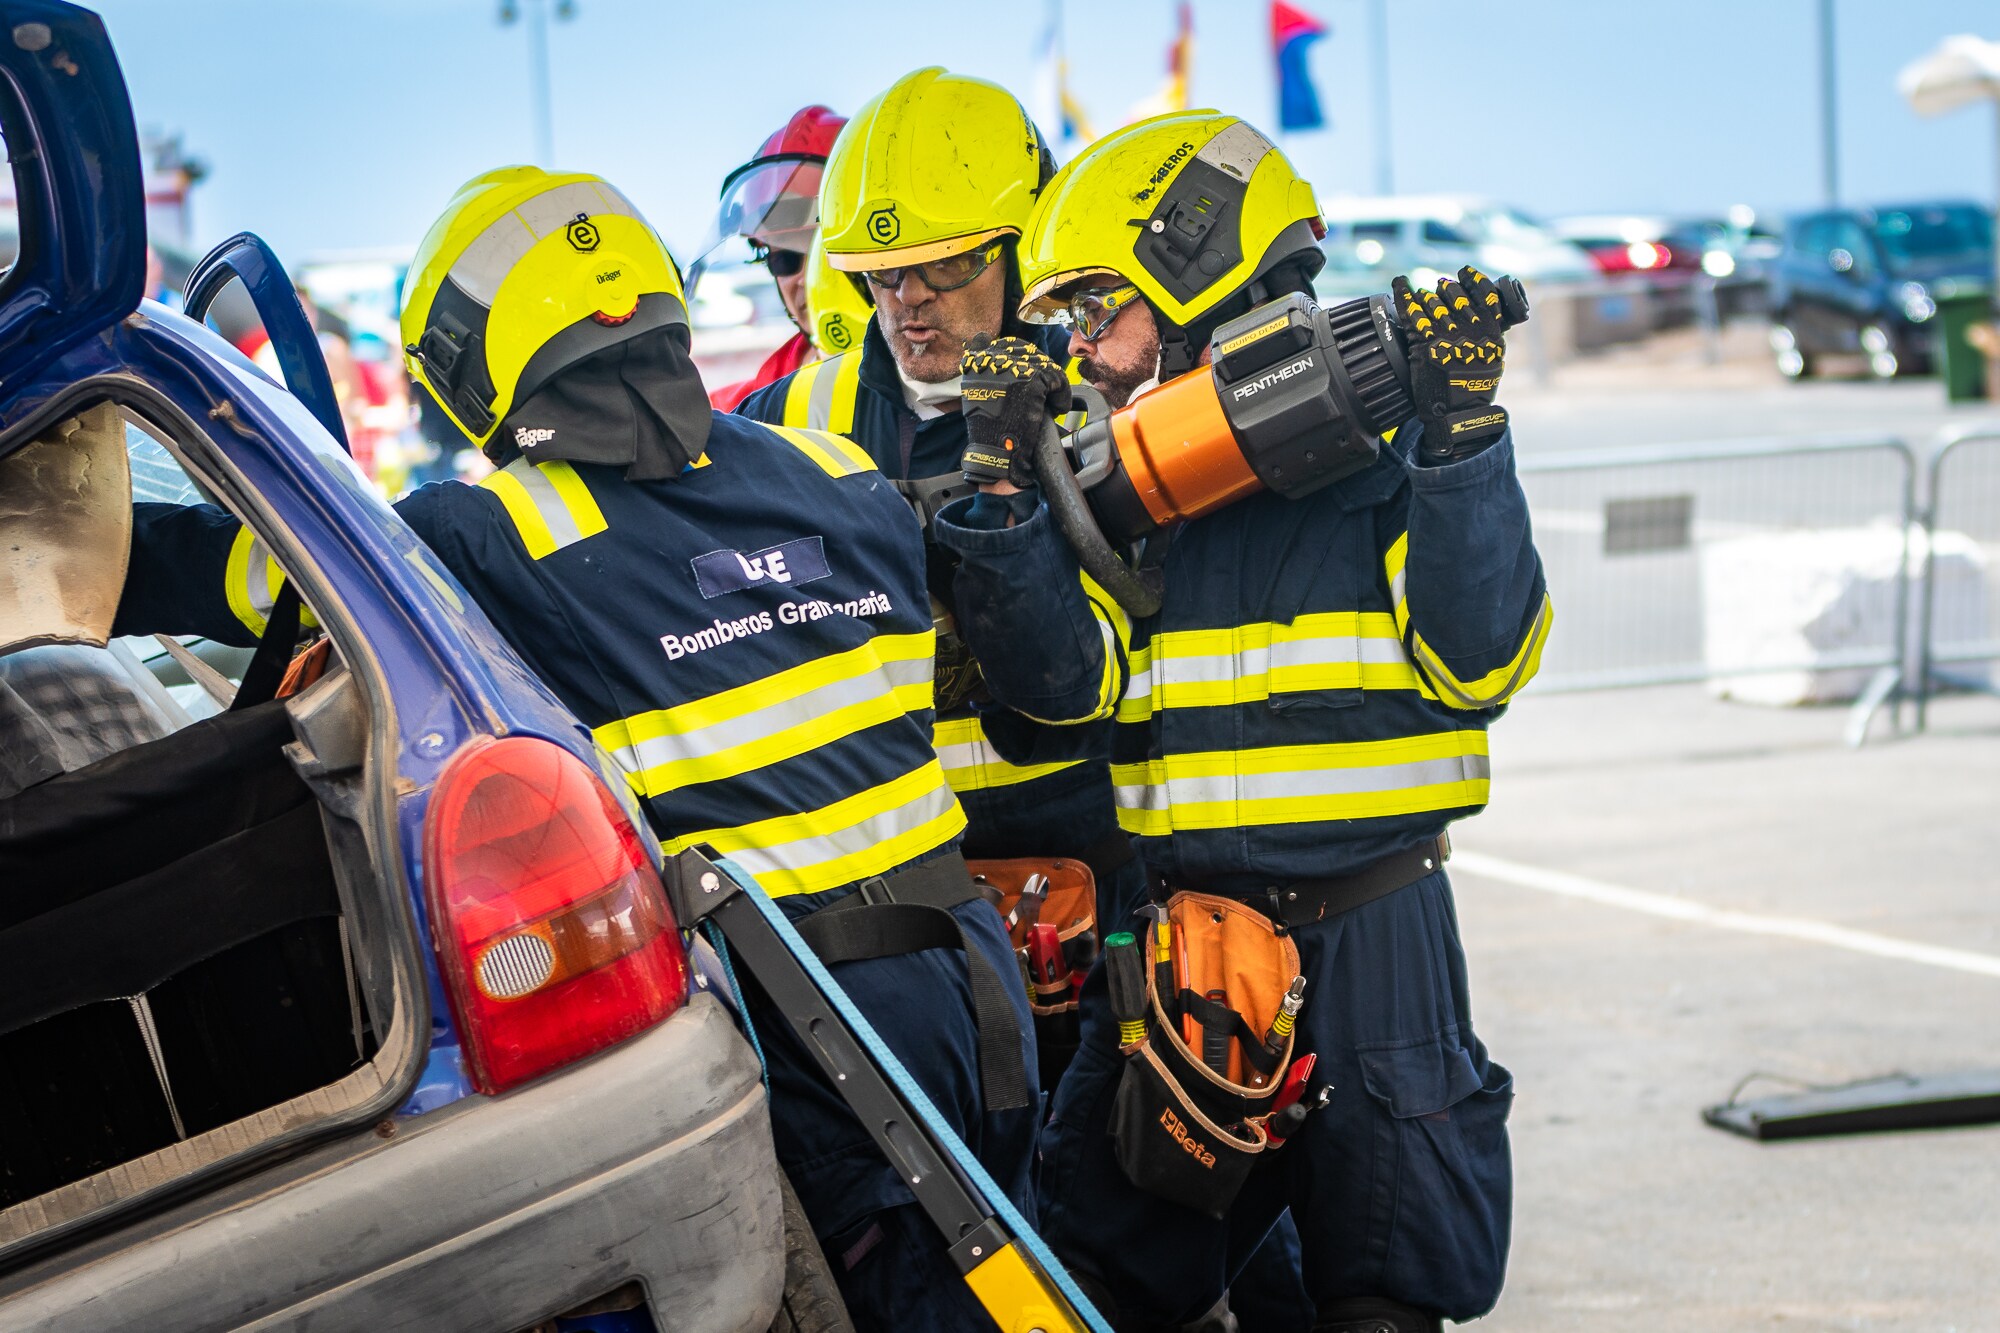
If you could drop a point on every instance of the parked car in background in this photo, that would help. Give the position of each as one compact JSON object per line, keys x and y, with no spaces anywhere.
{"x":1445,"y":232}
{"x":1866,"y":282}
{"x":1632,"y":244}
{"x":351,"y":1003}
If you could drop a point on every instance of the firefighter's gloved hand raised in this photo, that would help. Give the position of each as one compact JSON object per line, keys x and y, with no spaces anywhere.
{"x":1457,"y":347}
{"x":1009,"y":392}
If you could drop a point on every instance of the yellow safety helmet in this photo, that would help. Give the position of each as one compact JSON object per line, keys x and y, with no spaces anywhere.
{"x":528,"y":272}
{"x":1192,"y":208}
{"x":837,"y":309}
{"x":930,"y":168}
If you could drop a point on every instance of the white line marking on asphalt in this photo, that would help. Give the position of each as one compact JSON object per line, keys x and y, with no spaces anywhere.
{"x":1750,"y":923}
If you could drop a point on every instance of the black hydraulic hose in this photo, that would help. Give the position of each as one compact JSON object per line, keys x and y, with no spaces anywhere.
{"x":1072,"y":515}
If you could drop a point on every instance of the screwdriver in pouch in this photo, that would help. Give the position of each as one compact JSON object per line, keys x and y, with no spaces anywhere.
{"x":1281,"y":1028}
{"x":1163,"y":962}
{"x":1125,"y":970}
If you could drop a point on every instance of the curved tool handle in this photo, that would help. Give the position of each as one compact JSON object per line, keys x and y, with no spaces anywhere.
{"x":1073,"y":517}
{"x":245,"y":256}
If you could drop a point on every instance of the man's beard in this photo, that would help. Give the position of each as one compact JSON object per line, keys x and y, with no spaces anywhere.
{"x":933,"y":363}
{"x":1117,"y":383}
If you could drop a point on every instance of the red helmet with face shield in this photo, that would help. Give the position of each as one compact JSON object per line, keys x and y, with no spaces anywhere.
{"x":773,"y":199}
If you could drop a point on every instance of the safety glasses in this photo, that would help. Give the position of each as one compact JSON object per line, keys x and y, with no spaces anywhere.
{"x":783,"y":263}
{"x":1091,"y":309}
{"x":941,"y":275}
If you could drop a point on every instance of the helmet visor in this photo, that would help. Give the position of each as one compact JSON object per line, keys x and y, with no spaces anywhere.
{"x":773,"y":202}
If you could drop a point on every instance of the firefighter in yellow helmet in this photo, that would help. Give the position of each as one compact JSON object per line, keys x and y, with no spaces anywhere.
{"x":738,"y":613}
{"x":922,"y":208}
{"x":1294,"y":728}
{"x":838,"y":313}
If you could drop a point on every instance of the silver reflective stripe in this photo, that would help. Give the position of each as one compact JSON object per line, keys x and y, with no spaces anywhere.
{"x":819,"y":408}
{"x":257,"y":578}
{"x":934,"y":803}
{"x":967,"y":754}
{"x":1206,"y":668}
{"x":548,"y":502}
{"x":1143,"y":796}
{"x":1396,"y":589}
{"x":798,"y":710}
{"x":1237,"y":150}
{"x":494,"y":252}
{"x":1324,"y":781}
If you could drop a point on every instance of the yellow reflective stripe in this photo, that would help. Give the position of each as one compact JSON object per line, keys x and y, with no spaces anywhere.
{"x":1115,"y":626}
{"x":1393,"y":562}
{"x":860,"y":835}
{"x":846,"y":383}
{"x":1136,"y":705}
{"x":1303,"y":783}
{"x":251,"y":582}
{"x":236,"y":583}
{"x":549,"y":503}
{"x":1493,"y":688}
{"x":972,"y":764}
{"x":767,"y":707}
{"x":1332,"y":650}
{"x":1497,"y":685}
{"x":835,"y":455}
{"x":528,"y":520}
{"x":798,"y":397}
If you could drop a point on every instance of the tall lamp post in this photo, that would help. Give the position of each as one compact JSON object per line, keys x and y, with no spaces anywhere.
{"x":1829,"y":120}
{"x":537,"y":13}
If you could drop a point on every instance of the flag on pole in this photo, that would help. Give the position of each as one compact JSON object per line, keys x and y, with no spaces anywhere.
{"x":1172,"y":94}
{"x":1054,"y":107}
{"x":1292,"y":32}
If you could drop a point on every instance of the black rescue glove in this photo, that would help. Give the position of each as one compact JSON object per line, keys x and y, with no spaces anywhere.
{"x":1009,"y":393}
{"x":1457,"y":342}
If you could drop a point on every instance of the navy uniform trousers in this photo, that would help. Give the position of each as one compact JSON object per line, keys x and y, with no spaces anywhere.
{"x":888,"y":1259}
{"x":1401,"y":1187}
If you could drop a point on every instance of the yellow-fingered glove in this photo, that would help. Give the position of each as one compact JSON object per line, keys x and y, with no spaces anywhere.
{"x":1457,"y":353}
{"x":1009,"y":391}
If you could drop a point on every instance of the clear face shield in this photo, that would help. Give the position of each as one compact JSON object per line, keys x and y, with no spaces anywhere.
{"x":773,"y":203}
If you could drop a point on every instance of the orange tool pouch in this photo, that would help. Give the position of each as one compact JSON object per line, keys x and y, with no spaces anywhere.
{"x":1184,"y":1130}
{"x":1071,"y":907}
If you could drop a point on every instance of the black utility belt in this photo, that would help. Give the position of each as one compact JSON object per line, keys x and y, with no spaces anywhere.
{"x":1305,"y":901}
{"x":911,"y":911}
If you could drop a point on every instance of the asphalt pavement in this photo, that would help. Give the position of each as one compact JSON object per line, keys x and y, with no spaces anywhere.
{"x":1670,"y":893}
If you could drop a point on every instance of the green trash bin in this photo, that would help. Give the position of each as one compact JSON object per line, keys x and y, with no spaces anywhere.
{"x":1962,"y":365}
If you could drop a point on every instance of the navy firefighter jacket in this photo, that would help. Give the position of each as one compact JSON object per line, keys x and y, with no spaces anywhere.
{"x":766,"y":686}
{"x":1314,"y":692}
{"x":1024,"y":790}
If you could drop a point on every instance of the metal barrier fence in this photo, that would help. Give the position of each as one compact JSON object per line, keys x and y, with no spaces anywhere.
{"x":1958,"y":598}
{"x":1666,"y":561}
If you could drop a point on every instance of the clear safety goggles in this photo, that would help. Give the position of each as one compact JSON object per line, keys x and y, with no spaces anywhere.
{"x":941,"y":275}
{"x":1087,"y":312}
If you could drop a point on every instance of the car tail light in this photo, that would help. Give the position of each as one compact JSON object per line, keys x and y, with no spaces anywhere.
{"x":550,"y":922}
{"x":1645,"y":254}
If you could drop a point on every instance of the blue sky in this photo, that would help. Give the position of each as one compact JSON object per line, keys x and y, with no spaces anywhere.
{"x":336,"y":124}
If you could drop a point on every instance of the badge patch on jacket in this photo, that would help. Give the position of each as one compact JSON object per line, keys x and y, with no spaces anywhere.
{"x":788,"y":565}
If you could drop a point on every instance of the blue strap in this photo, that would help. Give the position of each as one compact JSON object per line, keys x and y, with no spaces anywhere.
{"x":920,"y":1106}
{"x":713,"y":934}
